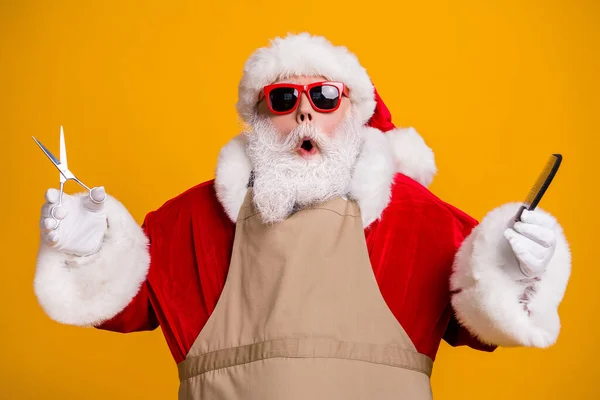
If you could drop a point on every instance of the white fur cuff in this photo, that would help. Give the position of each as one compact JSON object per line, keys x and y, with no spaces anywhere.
{"x":87,"y":291}
{"x":492,"y":305}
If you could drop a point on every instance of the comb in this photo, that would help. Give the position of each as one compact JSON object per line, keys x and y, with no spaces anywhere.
{"x":541,"y":185}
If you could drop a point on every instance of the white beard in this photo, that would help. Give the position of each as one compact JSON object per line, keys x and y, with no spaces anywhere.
{"x":284,"y":181}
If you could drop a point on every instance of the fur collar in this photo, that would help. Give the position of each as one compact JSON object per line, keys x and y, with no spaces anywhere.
{"x":397,"y":151}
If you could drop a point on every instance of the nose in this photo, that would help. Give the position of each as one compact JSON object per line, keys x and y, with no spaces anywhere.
{"x":304,"y":112}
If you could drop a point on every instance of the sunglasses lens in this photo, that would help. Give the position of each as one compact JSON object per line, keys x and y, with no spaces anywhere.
{"x":283,"y":99}
{"x":325,"y":97}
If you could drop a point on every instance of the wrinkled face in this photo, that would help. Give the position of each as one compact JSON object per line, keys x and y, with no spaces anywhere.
{"x":301,"y":158}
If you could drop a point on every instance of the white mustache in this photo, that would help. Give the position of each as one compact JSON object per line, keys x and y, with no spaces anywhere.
{"x":281,"y":143}
{"x":305,"y":132}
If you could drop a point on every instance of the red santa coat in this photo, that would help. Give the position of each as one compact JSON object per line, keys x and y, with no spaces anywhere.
{"x":411,"y":249}
{"x":434,"y":264}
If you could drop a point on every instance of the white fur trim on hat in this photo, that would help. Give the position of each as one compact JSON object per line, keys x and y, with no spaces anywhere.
{"x":304,"y":54}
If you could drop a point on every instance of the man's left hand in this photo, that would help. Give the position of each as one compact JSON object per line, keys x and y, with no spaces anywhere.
{"x":533,"y":240}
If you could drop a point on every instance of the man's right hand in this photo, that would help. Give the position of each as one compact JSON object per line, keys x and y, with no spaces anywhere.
{"x":82,"y":222}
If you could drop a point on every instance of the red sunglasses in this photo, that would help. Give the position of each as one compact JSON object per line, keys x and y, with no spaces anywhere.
{"x":283,"y":98}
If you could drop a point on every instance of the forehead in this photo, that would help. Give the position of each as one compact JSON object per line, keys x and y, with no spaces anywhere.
{"x":301,"y":79}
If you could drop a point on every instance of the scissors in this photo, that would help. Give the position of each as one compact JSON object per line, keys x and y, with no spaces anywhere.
{"x":65,"y":173}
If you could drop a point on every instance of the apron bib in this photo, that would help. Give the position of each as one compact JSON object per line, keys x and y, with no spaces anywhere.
{"x":301,"y":317}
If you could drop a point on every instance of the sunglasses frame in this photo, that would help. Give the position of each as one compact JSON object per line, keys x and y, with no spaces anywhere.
{"x":341,"y":87}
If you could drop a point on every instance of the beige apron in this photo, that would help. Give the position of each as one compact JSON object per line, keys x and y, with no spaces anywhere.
{"x":301,"y":317}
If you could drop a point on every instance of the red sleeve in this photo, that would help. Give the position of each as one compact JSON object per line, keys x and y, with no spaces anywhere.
{"x":139,"y":314}
{"x":456,"y":334}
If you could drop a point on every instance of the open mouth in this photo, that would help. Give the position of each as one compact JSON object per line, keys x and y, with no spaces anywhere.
{"x":307,"y":148}
{"x":307,"y":145}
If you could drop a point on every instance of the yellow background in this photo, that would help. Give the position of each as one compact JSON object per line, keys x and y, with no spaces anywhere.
{"x":146,"y":93}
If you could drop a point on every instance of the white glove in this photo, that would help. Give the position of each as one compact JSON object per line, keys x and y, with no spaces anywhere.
{"x":533,"y":241}
{"x":82,"y":222}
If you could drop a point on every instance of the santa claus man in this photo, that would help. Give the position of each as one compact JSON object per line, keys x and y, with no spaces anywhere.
{"x":316,"y":265}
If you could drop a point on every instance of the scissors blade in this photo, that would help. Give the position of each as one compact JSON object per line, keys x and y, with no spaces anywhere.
{"x":63,"y":149}
{"x":63,"y":154}
{"x":48,"y":154}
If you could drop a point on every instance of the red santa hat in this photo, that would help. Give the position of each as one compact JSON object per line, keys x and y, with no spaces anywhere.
{"x":308,"y":55}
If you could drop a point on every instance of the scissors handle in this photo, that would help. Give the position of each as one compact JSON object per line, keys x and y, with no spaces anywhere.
{"x":90,"y":191}
{"x":92,"y":197}
{"x":53,"y":209}
{"x":60,"y":199}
